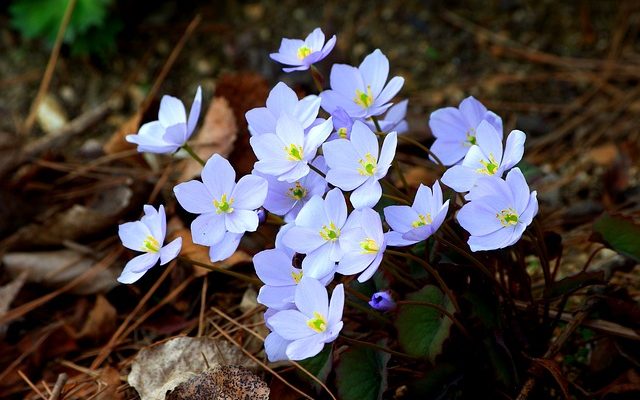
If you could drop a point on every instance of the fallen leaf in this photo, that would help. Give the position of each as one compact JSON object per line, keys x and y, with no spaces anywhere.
{"x":117,"y":142}
{"x":221,"y":383}
{"x":217,"y":136}
{"x":159,"y":368}
{"x":101,"y":321}
{"x":57,"y":268}
{"x":8,"y":292}
{"x":109,"y":381}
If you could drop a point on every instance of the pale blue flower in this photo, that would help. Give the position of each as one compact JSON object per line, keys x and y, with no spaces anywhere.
{"x":342,"y":124}
{"x":287,"y":198}
{"x":382,"y":301}
{"x":227,"y":210}
{"x":172,"y":129}
{"x":363,"y":245}
{"x":286,"y":153}
{"x":354,"y":164}
{"x":455,"y":129}
{"x":314,"y":322}
{"x":362,"y":92}
{"x":485,"y":158}
{"x":317,"y":233}
{"x":275,"y":346}
{"x":282,"y":99}
{"x":301,"y":54}
{"x":414,"y":224}
{"x":499,"y":211}
{"x":393,"y":120}
{"x":147,"y":235}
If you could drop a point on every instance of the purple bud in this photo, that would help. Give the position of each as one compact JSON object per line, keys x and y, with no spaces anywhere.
{"x":262,"y":215}
{"x":382,"y":301}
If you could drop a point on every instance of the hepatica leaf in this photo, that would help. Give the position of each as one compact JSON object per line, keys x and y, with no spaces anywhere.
{"x":361,"y":374}
{"x":422,"y":330}
{"x":619,"y":233}
{"x":319,"y":365}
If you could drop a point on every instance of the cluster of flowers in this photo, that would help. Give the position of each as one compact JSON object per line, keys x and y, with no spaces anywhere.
{"x":310,"y":190}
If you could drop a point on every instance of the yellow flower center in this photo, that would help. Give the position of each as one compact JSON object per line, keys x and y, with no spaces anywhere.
{"x":330,"y":233}
{"x":364,"y":100}
{"x":224,"y":205}
{"x":303,"y":52}
{"x":342,"y":132}
{"x":150,"y":245}
{"x":369,"y":246}
{"x":507,"y":217}
{"x":318,"y":323}
{"x":297,"y":192}
{"x":294,"y":152}
{"x":422,"y":220}
{"x":490,"y":167}
{"x":368,"y":165}
{"x":296,"y":276}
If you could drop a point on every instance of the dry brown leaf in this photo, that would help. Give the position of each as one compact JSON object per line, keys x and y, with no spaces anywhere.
{"x":8,"y":292}
{"x":201,"y":253}
{"x":117,"y":142}
{"x":101,"y":321}
{"x":217,"y":135}
{"x":161,"y":367}
{"x":109,"y":381}
{"x":221,"y":383}
{"x":57,"y":268}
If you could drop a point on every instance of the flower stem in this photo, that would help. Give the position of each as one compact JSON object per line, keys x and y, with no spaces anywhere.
{"x":378,"y":347}
{"x":396,"y":198}
{"x":192,"y":153}
{"x":317,"y":171}
{"x":377,"y":125}
{"x":221,"y":270}
{"x":318,"y":79}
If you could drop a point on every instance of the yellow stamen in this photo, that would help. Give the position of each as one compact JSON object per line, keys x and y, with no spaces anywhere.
{"x":368,"y":165}
{"x":471,"y":137}
{"x":303,"y":52}
{"x":490,"y":167}
{"x":369,"y":246}
{"x":224,"y":205}
{"x":342,"y":132}
{"x":294,"y":152}
{"x":422,"y":220}
{"x":150,"y":245}
{"x":507,"y":217}
{"x":318,"y":323}
{"x":330,"y":233}
{"x":364,"y":100}
{"x":296,"y":276}
{"x":297,"y":192}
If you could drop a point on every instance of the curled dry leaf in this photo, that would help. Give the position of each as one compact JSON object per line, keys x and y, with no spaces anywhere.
{"x":57,"y":268}
{"x":217,"y":136}
{"x":221,"y":383}
{"x":8,"y":292}
{"x":101,"y":321}
{"x":161,"y":367}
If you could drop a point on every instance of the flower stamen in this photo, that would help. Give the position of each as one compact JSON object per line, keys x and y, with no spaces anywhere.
{"x":318,"y":323}
{"x":224,"y":205}
{"x":330,"y":233}
{"x":150,"y":245}
{"x":368,"y":165}
{"x":294,"y":152}
{"x":490,"y":167}
{"x":303,"y":52}
{"x":297,"y":192}
{"x":369,"y":246}
{"x":422,"y":220}
{"x":297,"y":276}
{"x":364,"y":100}
{"x":507,"y":217}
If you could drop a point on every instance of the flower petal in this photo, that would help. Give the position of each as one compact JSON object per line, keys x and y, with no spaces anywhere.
{"x":218,"y":176}
{"x":250,"y":192}
{"x":194,"y":113}
{"x":375,"y":70}
{"x":194,"y":197}
{"x":208,"y":229}
{"x":226,"y":247}
{"x":133,"y":234}
{"x":171,"y":111}
{"x":170,"y":251}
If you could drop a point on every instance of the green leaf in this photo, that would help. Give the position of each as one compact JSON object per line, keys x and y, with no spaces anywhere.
{"x":319,"y":365}
{"x":578,"y":281}
{"x":619,"y":233}
{"x":361,"y":374}
{"x":422,"y":330}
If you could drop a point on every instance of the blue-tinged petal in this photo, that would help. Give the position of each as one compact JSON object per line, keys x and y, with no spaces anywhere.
{"x":303,"y":240}
{"x":389,"y":91}
{"x":194,"y":113}
{"x":531,"y":210}
{"x":315,"y":40}
{"x":352,"y":235}
{"x":387,"y":154}
{"x":373,"y":267}
{"x":302,"y":349}
{"x":317,"y":264}
{"x":517,"y":184}
{"x":291,"y":324}
{"x":274,"y":167}
{"x":289,"y":129}
{"x":472,"y":110}
{"x":249,"y":193}
{"x":513,"y":150}
{"x":459,"y":178}
{"x":491,"y":241}
{"x":170,"y":251}
{"x":449,"y":124}
{"x":478,"y":218}
{"x":312,"y":214}
{"x":155,"y":220}
{"x":298,"y":171}
{"x":133,"y":234}
{"x":218,"y":176}
{"x":281,"y":98}
{"x":346,"y":80}
{"x":306,"y":110}
{"x":355,"y":262}
{"x":285,"y":58}
{"x":335,"y":207}
{"x":149,"y":139}
{"x":345,"y":179}
{"x":448,"y":152}
{"x":241,"y":221}
{"x":194,"y":197}
{"x":208,"y":229}
{"x":261,"y":121}
{"x":400,"y":218}
{"x":275,"y":346}
{"x":277,"y":297}
{"x":495,"y":120}
{"x":176,"y":134}
{"x":375,"y":70}
{"x":273,"y":267}
{"x":423,"y":200}
{"x":316,"y":136}
{"x":364,"y":141}
{"x":226,"y":247}
{"x":367,"y":195}
{"x":326,"y":49}
{"x":489,"y":141}
{"x":394,"y":238}
{"x":335,"y":251}
{"x":143,"y":262}
{"x":171,"y":112}
{"x":336,"y":306}
{"x":311,"y":297}
{"x":436,"y":198}
{"x":341,"y":154}
{"x":332,"y":100}
{"x":372,"y":224}
{"x":128,"y":276}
